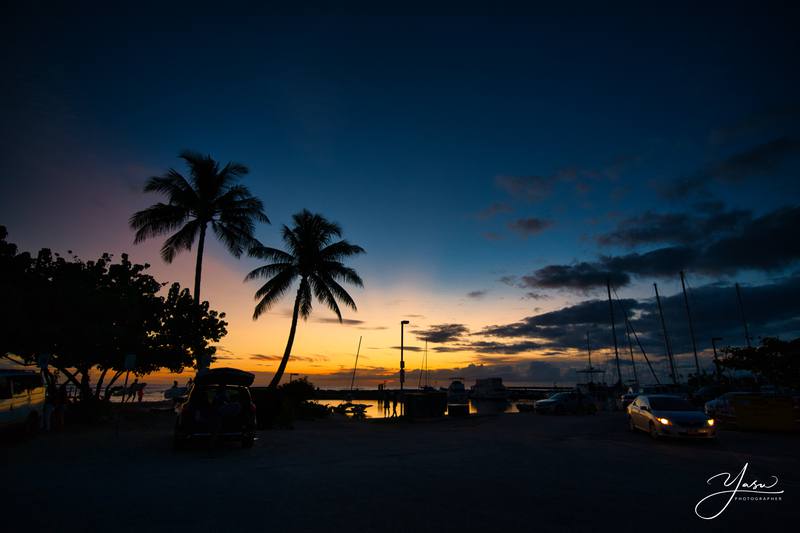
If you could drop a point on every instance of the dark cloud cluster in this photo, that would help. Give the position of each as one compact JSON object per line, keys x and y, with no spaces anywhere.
{"x":755,"y":162}
{"x":770,"y":309}
{"x":771,"y":119}
{"x":580,"y":277}
{"x":675,"y":228}
{"x":477,"y":294}
{"x":442,"y":333}
{"x":766,"y":243}
{"x":525,"y":227}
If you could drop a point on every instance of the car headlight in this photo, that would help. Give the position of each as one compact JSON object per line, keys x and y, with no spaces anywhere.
{"x":664,"y":421}
{"x":710,"y":421}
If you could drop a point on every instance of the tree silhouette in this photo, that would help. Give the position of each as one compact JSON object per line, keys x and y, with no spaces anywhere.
{"x":211,"y":195}
{"x":88,"y":315}
{"x":316,"y":262}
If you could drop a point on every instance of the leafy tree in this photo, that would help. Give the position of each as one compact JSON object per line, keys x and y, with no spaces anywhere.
{"x":89,"y":315}
{"x":775,"y":360}
{"x":314,"y":260}
{"x":211,"y":195}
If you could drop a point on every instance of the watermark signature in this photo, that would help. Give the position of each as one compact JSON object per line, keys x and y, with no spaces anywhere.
{"x":736,"y":488}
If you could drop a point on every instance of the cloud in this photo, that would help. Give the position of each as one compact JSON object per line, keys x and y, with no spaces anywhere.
{"x":531,"y":295}
{"x":531,"y":188}
{"x":675,"y":228}
{"x":580,"y":277}
{"x":407,"y":348}
{"x":263,"y":357}
{"x":542,"y":371}
{"x":490,"y":347}
{"x":305,"y":358}
{"x":758,"y":161}
{"x":526,"y":227}
{"x":477,"y":294}
{"x":766,"y":120}
{"x":442,"y":333}
{"x":345,"y":321}
{"x":494,"y":209}
{"x":766,"y":243}
{"x":770,"y":310}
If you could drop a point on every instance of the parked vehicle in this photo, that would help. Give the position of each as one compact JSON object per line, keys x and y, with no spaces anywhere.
{"x":722,"y":408}
{"x":22,"y":398}
{"x":707,"y":393}
{"x":625,"y":400}
{"x":219,"y":406}
{"x":664,"y":415}
{"x":566,"y":403}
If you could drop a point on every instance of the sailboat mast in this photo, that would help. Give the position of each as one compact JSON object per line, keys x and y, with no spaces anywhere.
{"x":614,"y":331}
{"x":744,"y":320}
{"x":635,"y":336}
{"x":353,"y":379}
{"x":426,"y":362}
{"x":630,"y":347}
{"x":589,"y":350}
{"x":691,"y":327}
{"x":666,"y":337}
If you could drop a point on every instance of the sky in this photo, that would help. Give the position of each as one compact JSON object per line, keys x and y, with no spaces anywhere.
{"x":497,"y":170}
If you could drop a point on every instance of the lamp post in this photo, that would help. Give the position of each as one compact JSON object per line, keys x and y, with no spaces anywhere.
{"x":402,"y":361}
{"x":716,"y":361}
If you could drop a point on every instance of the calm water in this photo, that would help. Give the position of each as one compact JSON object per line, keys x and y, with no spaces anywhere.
{"x":376,"y":410}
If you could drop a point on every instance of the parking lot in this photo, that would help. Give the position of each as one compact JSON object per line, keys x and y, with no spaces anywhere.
{"x":484,"y":473}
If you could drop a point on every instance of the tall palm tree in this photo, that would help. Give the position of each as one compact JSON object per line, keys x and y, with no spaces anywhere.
{"x":313,"y":259}
{"x":211,"y":195}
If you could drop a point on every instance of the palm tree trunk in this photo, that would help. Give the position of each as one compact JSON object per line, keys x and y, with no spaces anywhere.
{"x":276,"y":379}
{"x":198,"y":269}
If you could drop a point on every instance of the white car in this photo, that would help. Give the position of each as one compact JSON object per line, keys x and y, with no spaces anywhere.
{"x":22,"y":398}
{"x":664,"y":415}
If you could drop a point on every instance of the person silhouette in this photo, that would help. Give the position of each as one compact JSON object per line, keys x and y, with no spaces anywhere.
{"x":132,"y":389}
{"x":394,"y":405}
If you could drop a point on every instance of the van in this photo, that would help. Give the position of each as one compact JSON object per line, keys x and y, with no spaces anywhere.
{"x":22,"y":398}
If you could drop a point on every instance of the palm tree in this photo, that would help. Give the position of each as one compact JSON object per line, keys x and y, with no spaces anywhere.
{"x":211,"y":195}
{"x":316,"y":262}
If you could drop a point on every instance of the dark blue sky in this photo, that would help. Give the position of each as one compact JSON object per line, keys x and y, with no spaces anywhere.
{"x":457,"y":151}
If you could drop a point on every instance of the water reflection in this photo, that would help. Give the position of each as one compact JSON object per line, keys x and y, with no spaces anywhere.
{"x":375,"y":409}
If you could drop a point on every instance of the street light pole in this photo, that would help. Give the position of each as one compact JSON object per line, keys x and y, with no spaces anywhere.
{"x":402,"y":361}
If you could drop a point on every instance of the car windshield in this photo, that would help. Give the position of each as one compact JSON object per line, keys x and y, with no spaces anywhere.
{"x":670,"y":404}
{"x":559,"y":396}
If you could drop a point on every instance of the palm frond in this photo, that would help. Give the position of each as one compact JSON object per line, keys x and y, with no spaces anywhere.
{"x":271,"y":254}
{"x":340,"y":250}
{"x":304,"y":294}
{"x":338,"y":271}
{"x":324,"y":295}
{"x":268,"y":270}
{"x":339,"y":292}
{"x":157,"y":220}
{"x":182,"y":240}
{"x":271,"y":292}
{"x":235,"y":239}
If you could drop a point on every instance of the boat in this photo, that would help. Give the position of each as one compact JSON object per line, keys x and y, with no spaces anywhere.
{"x":489,"y":389}
{"x":457,"y":398}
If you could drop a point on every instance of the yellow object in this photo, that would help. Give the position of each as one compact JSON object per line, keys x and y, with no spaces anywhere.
{"x":710,"y":421}
{"x":665,"y":421}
